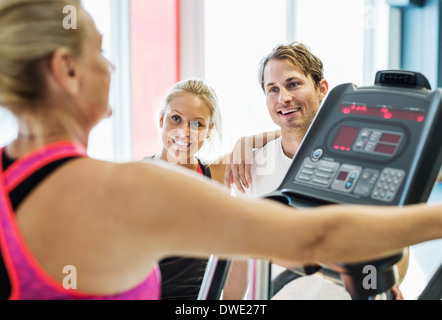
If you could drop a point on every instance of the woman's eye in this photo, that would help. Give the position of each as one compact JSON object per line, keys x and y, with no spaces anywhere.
{"x":195,"y":124}
{"x":175,"y":118}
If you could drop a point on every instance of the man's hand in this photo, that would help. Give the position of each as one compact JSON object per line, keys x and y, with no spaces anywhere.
{"x":239,"y":161}
{"x":238,"y":170}
{"x":397,"y":292}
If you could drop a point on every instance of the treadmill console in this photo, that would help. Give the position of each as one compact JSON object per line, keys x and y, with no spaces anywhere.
{"x":376,"y":145}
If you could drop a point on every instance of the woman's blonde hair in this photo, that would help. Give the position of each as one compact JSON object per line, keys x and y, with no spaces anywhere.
{"x":30,"y":32}
{"x":198,"y":87}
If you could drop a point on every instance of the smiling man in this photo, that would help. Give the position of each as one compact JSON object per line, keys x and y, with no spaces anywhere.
{"x":292,"y":79}
{"x":293,"y":82}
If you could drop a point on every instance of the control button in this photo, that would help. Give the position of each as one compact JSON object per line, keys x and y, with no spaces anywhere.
{"x":382,"y":143}
{"x":317,"y":154}
{"x":346,"y":179}
{"x":363,"y":190}
{"x":322,"y":182}
{"x":325,"y":176}
{"x":317,"y":173}
{"x":388,"y":184}
{"x":366,"y":182}
{"x":304,"y":178}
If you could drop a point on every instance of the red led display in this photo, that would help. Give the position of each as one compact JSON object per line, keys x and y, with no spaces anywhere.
{"x":390,"y":138}
{"x":382,"y":112}
{"x":342,"y":176}
{"x":345,"y":138}
{"x":385,"y":148}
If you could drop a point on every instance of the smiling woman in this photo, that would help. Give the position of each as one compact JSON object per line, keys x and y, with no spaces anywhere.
{"x":190,"y":123}
{"x":185,"y":126}
{"x":189,"y":119}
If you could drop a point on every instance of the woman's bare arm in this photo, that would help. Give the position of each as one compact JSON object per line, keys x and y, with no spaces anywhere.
{"x":202,"y":218}
{"x":114,"y":221}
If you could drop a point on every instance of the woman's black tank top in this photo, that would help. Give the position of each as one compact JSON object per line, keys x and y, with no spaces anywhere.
{"x":182,"y":277}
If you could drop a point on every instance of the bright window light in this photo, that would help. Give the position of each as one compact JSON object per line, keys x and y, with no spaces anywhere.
{"x":101,"y":142}
{"x":352,"y":42}
{"x":237,"y":36}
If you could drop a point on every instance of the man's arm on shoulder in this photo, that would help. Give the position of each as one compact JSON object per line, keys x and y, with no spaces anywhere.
{"x":240,"y":160}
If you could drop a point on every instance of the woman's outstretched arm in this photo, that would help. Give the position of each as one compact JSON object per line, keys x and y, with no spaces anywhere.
{"x":201,"y":218}
{"x":114,"y":221}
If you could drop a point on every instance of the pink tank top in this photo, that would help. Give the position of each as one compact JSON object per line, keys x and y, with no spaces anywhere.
{"x":28,"y":279}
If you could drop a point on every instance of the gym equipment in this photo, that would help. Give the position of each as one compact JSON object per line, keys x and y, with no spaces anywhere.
{"x":374,"y":145}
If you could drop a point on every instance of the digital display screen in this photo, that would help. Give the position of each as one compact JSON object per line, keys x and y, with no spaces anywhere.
{"x":345,"y":138}
{"x":390,"y":138}
{"x":382,"y":112}
{"x":381,"y":142}
{"x":342,"y":176}
{"x":385,"y":148}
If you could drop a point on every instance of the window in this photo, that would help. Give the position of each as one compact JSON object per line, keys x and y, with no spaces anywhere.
{"x":100,"y":143}
{"x":352,"y":43}
{"x":237,"y":36}
{"x":8,"y":127}
{"x":110,"y":139}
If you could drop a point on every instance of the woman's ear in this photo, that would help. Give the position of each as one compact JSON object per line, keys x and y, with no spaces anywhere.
{"x":162,"y":121}
{"x":65,"y":71}
{"x":209,"y":132}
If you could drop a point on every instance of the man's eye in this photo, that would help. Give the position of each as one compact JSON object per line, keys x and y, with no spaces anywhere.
{"x":273,"y":90}
{"x":293,"y":85}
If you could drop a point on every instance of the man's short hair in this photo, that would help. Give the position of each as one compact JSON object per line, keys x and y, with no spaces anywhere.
{"x":300,"y":56}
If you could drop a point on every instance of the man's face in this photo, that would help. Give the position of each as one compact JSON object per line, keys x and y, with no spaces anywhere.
{"x":292,"y":98}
